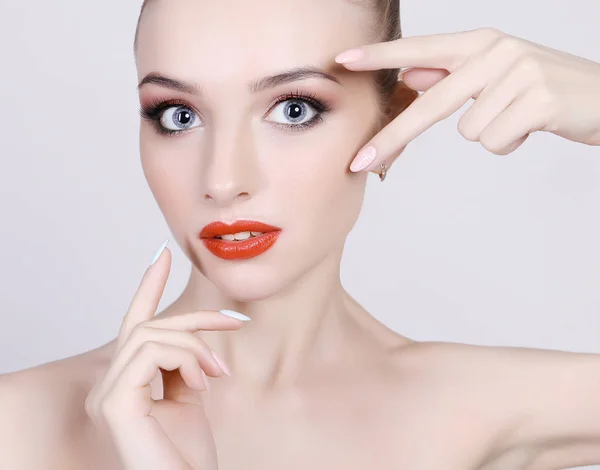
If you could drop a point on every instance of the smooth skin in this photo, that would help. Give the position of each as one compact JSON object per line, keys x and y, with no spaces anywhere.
{"x":422,"y":405}
{"x":315,"y":381}
{"x":146,"y":434}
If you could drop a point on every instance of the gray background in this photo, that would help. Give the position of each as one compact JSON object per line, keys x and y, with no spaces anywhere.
{"x":466,"y":245}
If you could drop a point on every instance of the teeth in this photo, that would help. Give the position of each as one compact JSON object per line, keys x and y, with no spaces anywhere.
{"x":240,"y":236}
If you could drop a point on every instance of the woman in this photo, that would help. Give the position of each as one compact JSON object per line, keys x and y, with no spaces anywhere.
{"x":265,"y":361}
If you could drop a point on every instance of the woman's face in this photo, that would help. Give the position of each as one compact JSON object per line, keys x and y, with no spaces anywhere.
{"x":241,"y":146}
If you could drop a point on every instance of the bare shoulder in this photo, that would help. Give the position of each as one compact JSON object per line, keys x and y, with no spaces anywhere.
{"x":486,"y":379}
{"x":43,"y":414}
{"x":480,"y":395}
{"x":467,"y":364}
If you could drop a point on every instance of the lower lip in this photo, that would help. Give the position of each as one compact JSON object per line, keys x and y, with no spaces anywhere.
{"x":245,"y":249}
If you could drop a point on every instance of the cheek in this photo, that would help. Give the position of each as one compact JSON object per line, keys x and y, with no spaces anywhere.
{"x":169,"y":166}
{"x":315,"y":179}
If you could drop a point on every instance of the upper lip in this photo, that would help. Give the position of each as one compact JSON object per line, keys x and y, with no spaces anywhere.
{"x":215,"y":229}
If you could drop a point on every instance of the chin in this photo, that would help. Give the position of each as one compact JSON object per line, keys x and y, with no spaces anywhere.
{"x":249,"y":285}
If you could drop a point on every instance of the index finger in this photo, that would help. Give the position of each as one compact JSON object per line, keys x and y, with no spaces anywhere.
{"x":439,"y":51}
{"x":147,"y":297}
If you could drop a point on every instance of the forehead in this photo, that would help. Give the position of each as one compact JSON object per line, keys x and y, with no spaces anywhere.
{"x":233,"y":37}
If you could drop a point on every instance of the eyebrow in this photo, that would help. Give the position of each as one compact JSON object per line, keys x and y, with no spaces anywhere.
{"x":300,"y":73}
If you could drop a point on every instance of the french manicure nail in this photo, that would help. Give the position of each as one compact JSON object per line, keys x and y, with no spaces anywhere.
{"x":234,"y":314}
{"x":349,"y":56}
{"x":364,"y":158}
{"x":159,"y":251}
{"x":221,"y":363}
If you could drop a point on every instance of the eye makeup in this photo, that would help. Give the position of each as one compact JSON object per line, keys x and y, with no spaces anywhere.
{"x":320,"y":107}
{"x":153,"y":111}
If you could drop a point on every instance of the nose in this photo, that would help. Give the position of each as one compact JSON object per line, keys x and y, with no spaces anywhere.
{"x":230,"y":167}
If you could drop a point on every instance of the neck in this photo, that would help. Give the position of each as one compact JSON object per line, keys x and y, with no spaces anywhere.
{"x":297,"y":328}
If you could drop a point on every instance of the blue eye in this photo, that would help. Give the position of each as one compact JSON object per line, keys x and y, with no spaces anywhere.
{"x":178,"y":118}
{"x":292,"y":112}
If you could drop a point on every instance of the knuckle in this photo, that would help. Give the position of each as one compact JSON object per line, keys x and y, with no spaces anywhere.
{"x":509,"y":46}
{"x":500,"y":151}
{"x":492,"y":145}
{"x":489,"y":34}
{"x":545,"y":99}
{"x":531,"y":67}
{"x":466,"y":130}
{"x":149,"y":348}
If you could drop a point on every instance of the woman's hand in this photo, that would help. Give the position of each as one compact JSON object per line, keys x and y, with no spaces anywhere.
{"x":172,"y":433}
{"x":519,"y":87}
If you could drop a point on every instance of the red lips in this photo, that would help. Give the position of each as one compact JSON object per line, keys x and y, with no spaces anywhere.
{"x":236,"y":250}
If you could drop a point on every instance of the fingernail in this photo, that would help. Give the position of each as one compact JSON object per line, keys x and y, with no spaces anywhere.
{"x":364,"y":158}
{"x":159,"y":251}
{"x":221,"y":363}
{"x":233,"y":314}
{"x":349,"y":56}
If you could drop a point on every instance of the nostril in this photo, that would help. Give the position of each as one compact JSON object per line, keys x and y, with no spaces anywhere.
{"x":225,"y":198}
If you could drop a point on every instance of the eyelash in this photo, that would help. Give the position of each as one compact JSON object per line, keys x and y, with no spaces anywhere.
{"x":153,"y":110}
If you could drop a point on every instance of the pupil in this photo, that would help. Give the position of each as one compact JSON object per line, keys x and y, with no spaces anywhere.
{"x":184,"y":117}
{"x":294,"y":111}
